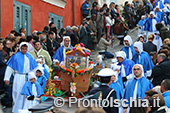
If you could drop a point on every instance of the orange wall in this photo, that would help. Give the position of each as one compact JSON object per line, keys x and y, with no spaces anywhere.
{"x":39,"y":14}
{"x":6,"y":17}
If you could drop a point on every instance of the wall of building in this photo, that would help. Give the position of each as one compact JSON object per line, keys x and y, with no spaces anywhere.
{"x":39,"y":14}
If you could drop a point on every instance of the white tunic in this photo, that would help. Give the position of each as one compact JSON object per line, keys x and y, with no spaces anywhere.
{"x":18,"y":83}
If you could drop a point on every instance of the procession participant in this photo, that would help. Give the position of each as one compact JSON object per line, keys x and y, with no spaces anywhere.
{"x":40,"y":64}
{"x":137,"y":87}
{"x":114,"y":84}
{"x":41,"y":79}
{"x":159,"y":4}
{"x":31,"y":90}
{"x":60,"y":53}
{"x":107,"y":92}
{"x":158,"y":14}
{"x":128,"y":49}
{"x":150,"y":27}
{"x":141,"y":24}
{"x":126,"y":66}
{"x":143,"y":58}
{"x":22,"y":63}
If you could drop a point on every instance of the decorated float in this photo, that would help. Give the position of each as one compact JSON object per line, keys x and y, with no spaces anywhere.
{"x":72,"y":76}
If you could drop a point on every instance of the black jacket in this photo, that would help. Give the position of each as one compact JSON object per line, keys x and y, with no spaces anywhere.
{"x":105,"y":89}
{"x":2,"y":65}
{"x":149,"y":47}
{"x":161,"y":72}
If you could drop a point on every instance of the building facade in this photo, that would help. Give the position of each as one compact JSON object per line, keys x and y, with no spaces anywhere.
{"x":35,"y":14}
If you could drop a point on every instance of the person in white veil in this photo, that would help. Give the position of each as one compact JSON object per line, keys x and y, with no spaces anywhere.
{"x":126,"y":66}
{"x":21,"y":63}
{"x":31,"y":90}
{"x":143,"y":58}
{"x":137,"y":87}
{"x":128,"y":47}
{"x":114,"y":84}
{"x":60,"y":53}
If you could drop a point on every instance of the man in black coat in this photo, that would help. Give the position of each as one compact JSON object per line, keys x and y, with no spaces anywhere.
{"x":2,"y":66}
{"x":107,"y":92}
{"x":149,"y":46}
{"x":161,"y":70}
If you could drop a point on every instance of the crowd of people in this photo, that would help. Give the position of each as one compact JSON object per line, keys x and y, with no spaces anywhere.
{"x":137,"y":68}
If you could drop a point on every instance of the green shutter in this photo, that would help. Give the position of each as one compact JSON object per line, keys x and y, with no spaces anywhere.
{"x":22,"y":17}
{"x":58,"y":20}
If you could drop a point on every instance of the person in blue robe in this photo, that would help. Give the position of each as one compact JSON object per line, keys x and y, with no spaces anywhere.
{"x":143,"y":58}
{"x":151,"y":22}
{"x":21,"y":63}
{"x":137,"y":87}
{"x":46,"y":73}
{"x":114,"y":84}
{"x":31,"y":90}
{"x":128,"y":48}
{"x":158,"y":14}
{"x":142,"y":21}
{"x":146,"y":17}
{"x":126,"y":66}
{"x":41,"y":79}
{"x":60,"y":53}
{"x":159,"y":4}
{"x":166,"y":1}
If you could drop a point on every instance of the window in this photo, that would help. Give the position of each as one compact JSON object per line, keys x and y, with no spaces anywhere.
{"x":58,"y":20}
{"x":22,"y":17}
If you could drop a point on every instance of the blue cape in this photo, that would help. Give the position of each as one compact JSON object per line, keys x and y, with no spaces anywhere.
{"x":59,"y":54}
{"x":118,"y":88}
{"x":16,"y":62}
{"x":128,"y":65}
{"x":126,"y":50}
{"x":159,"y":15}
{"x":42,"y":81}
{"x":141,"y":22}
{"x":148,"y":24}
{"x":145,"y":59}
{"x":46,"y":73}
{"x":161,"y":5}
{"x":143,"y":86}
{"x":27,"y":89}
{"x":166,"y":1}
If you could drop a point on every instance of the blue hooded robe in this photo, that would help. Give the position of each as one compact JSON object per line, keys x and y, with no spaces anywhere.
{"x":42,"y":81}
{"x":59,"y":54}
{"x":143,"y":58}
{"x":27,"y":89}
{"x":143,"y":85}
{"x":148,"y":24}
{"x":16,"y":61}
{"x":159,"y":15}
{"x":167,"y":1}
{"x":161,"y":5}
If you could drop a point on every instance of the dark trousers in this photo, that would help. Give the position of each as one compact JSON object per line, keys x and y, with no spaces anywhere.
{"x":107,"y":54}
{"x":99,"y":33}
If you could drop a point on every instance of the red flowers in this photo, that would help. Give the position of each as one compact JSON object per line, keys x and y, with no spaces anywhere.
{"x":74,"y":48}
{"x":81,"y":44}
{"x":80,"y":71}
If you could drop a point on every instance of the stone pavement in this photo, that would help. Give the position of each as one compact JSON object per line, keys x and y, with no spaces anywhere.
{"x":116,"y":47}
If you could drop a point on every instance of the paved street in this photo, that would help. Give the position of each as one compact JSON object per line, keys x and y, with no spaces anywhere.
{"x":116,"y":47}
